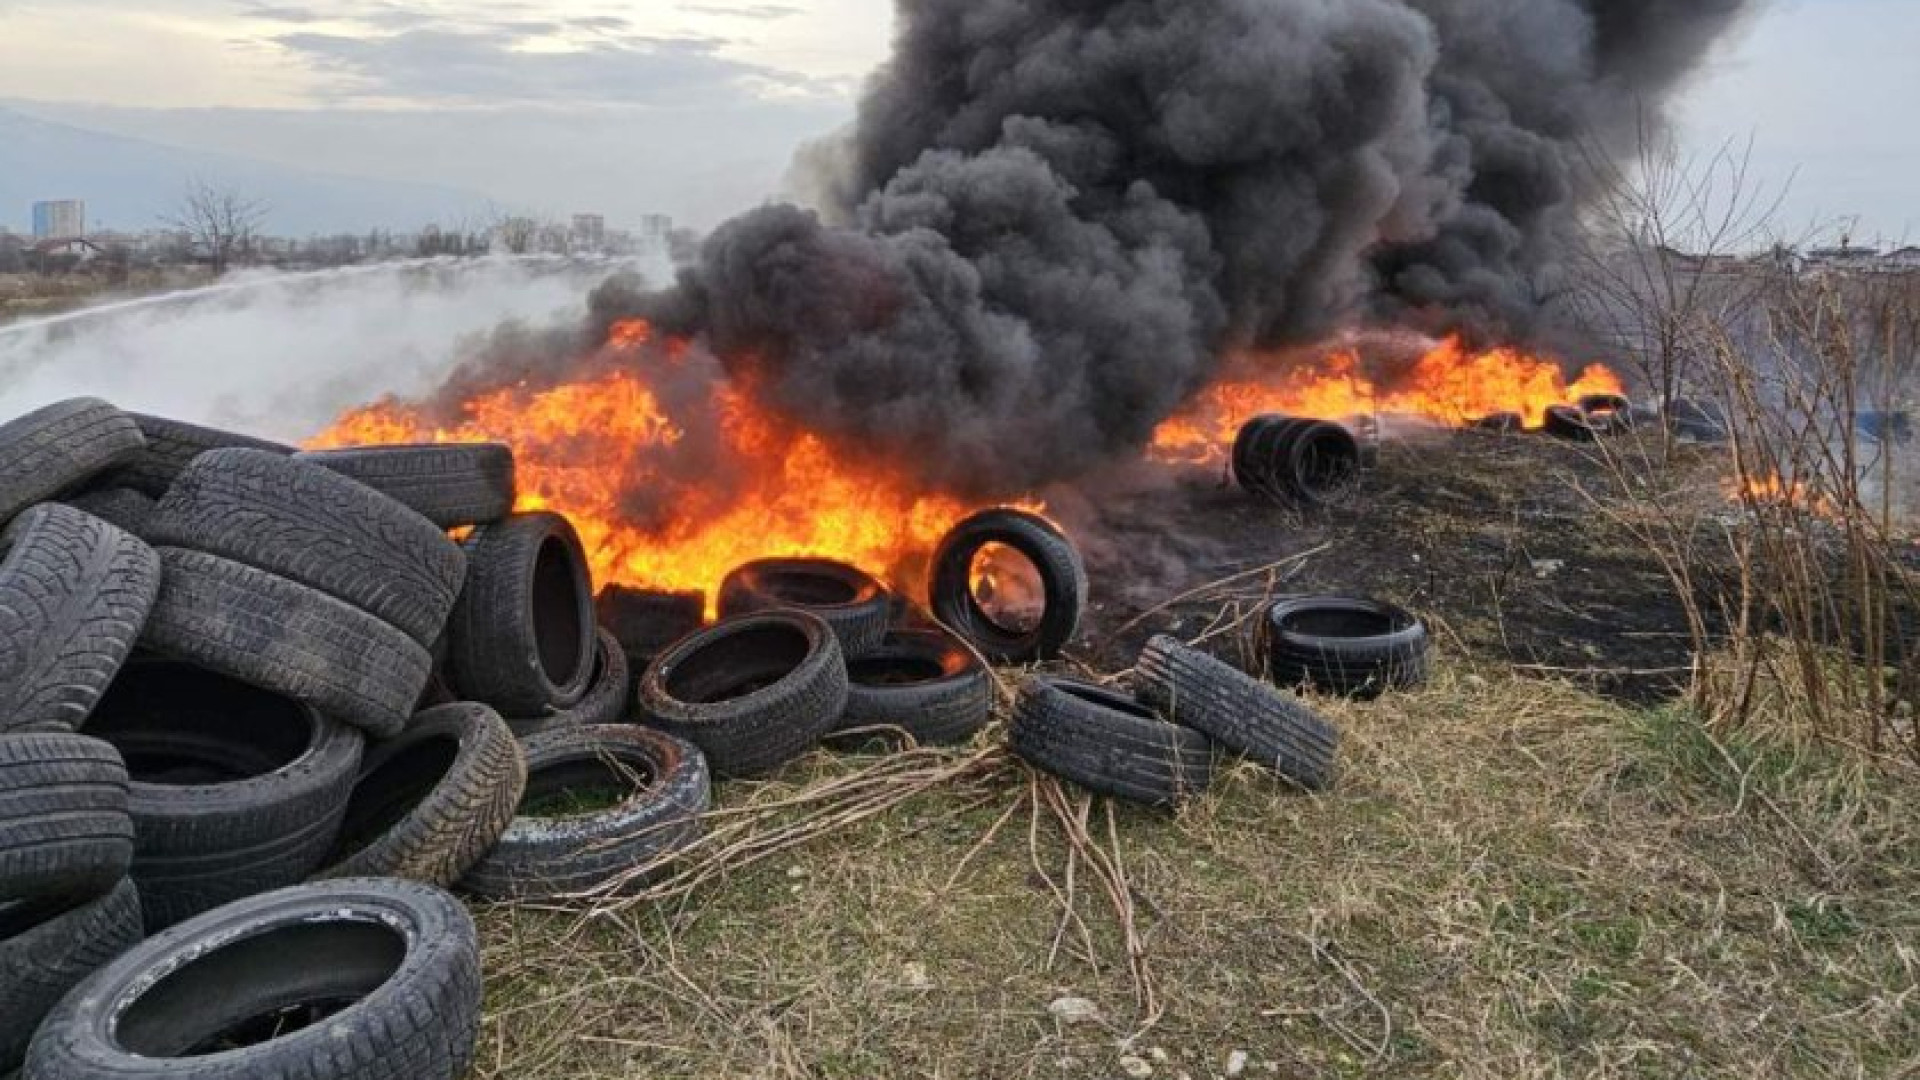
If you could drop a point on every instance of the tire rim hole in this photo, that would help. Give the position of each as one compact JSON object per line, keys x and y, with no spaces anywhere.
{"x":739,"y":663}
{"x":387,"y":794}
{"x":181,"y":726}
{"x":894,"y":670}
{"x":579,"y":787}
{"x":561,"y":640}
{"x":1007,"y":589}
{"x":804,"y":588}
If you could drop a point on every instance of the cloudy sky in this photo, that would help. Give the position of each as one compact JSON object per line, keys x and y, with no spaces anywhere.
{"x":693,"y":107}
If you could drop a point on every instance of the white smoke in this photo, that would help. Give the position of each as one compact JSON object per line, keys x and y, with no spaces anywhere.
{"x":279,"y":355}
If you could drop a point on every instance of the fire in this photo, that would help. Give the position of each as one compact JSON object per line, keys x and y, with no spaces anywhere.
{"x":587,"y":449}
{"x":1450,"y":385}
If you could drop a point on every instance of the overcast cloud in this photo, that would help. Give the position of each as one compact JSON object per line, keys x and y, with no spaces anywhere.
{"x":694,"y":107}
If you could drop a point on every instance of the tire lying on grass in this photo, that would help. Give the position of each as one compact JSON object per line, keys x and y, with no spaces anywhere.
{"x":318,"y":528}
{"x":64,"y":829}
{"x":1344,"y":645}
{"x":235,"y":790}
{"x":360,"y":979}
{"x":48,"y":946}
{"x":60,"y":447}
{"x":432,"y":800}
{"x":1295,"y":461}
{"x":923,"y":682}
{"x":609,"y":692}
{"x":752,"y":692}
{"x":452,"y":485}
{"x":172,"y":445}
{"x":1238,"y":711}
{"x":521,"y":638}
{"x":74,"y":595}
{"x":846,"y":598}
{"x":1108,"y":742}
{"x":285,"y":637}
{"x":651,"y":787}
{"x":1063,"y":585}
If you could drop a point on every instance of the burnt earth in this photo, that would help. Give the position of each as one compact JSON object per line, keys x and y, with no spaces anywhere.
{"x":1488,"y":537}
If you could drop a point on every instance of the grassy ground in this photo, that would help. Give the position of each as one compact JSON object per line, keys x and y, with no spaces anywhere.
{"x":1512,"y":879}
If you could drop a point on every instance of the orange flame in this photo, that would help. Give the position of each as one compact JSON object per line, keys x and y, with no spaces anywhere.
{"x":586,"y":448}
{"x":1449,"y":385}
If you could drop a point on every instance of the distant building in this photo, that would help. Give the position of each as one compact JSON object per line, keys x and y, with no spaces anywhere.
{"x":1906,"y":258}
{"x":589,"y":232}
{"x":62,"y":219}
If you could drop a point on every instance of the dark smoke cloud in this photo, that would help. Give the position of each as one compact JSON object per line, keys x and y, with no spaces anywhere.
{"x":1054,"y":217}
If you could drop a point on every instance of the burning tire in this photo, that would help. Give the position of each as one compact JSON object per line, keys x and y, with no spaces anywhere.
{"x":172,"y":446}
{"x":923,"y":682}
{"x":74,"y":594}
{"x":60,"y":447}
{"x":123,"y":508}
{"x":233,"y":790}
{"x":1238,"y":711}
{"x":645,"y":621}
{"x":1354,"y":647}
{"x":1108,"y":742}
{"x":522,"y":634}
{"x":848,"y":599}
{"x":48,"y":947}
{"x":1501,"y":423}
{"x":1571,"y":423}
{"x":282,"y":636}
{"x":1608,"y":414}
{"x":1294,"y":461}
{"x":362,"y":979}
{"x":608,"y":694}
{"x":1062,"y":588}
{"x":64,"y":829}
{"x":752,"y":692}
{"x":303,"y":523}
{"x":452,"y":485}
{"x":657,"y":786}
{"x":431,"y":801}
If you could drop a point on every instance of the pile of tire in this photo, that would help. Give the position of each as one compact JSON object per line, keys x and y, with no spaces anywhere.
{"x":1157,"y":745}
{"x":258,"y":710}
{"x":1296,"y":461}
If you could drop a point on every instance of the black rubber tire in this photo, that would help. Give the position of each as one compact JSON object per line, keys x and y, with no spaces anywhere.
{"x":850,"y":600}
{"x":1063,"y":580}
{"x":1608,"y":414}
{"x":74,"y":595}
{"x":1238,"y":711}
{"x":1704,"y":422}
{"x":923,"y":682}
{"x":118,"y":506}
{"x":646,"y":621}
{"x":46,"y":949}
{"x":752,"y":692}
{"x":1296,"y":461}
{"x":285,"y":637}
{"x":432,"y":800}
{"x":522,"y":635}
{"x":452,"y":485}
{"x":603,"y":850}
{"x":1108,"y":742}
{"x":405,"y":955}
{"x":1570,"y":423}
{"x":172,"y":445}
{"x":316,"y":527}
{"x":608,"y":693}
{"x":64,"y":829}
{"x":60,"y":447}
{"x":1351,"y":646}
{"x":1500,"y":423}
{"x":234,"y":790}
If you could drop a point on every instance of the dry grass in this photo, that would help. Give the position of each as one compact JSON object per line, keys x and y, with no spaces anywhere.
{"x":1513,"y":879}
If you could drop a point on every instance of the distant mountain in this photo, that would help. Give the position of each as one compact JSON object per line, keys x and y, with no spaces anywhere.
{"x":129,"y":184}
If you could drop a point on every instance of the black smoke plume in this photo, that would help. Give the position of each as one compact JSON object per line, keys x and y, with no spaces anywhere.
{"x":1053,"y":218}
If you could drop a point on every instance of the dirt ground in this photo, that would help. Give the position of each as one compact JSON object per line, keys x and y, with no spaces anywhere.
{"x":1490,"y":538}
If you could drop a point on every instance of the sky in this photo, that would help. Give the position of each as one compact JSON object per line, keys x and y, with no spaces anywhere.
{"x":695,"y":107}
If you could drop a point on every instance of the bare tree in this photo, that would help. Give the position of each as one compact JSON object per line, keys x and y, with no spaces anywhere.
{"x":222,"y":220}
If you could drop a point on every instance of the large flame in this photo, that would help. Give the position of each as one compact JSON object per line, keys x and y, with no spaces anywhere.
{"x":1450,"y":385}
{"x":584,"y":449}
